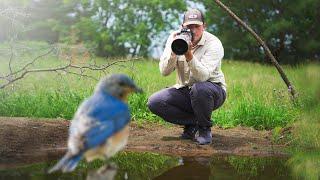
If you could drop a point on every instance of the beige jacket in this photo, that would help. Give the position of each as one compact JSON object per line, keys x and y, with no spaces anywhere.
{"x":205,"y":65}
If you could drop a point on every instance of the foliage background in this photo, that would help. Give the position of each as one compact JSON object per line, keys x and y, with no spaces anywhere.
{"x":291,"y":28}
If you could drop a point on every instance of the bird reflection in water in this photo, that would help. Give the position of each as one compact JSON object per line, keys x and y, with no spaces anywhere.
{"x":106,"y":172}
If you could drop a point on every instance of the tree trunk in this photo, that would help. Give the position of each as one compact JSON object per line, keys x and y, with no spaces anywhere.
{"x":265,"y":47}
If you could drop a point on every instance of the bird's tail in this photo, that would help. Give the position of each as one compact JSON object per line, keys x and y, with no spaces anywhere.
{"x":67,"y":164}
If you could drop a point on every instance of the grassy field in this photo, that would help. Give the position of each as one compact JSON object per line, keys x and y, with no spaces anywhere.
{"x":257,"y":97}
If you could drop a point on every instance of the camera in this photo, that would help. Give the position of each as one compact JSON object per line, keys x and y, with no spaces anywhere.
{"x":180,"y":44}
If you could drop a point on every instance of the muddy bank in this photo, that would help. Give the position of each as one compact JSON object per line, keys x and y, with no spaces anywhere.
{"x":26,"y":140}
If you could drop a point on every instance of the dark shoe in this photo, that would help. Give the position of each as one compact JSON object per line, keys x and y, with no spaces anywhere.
{"x":205,"y":136}
{"x":189,"y":132}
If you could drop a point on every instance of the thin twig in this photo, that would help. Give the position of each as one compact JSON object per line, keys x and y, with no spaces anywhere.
{"x":10,"y":60}
{"x":65,"y":68}
{"x":13,"y":15}
{"x":30,"y":63}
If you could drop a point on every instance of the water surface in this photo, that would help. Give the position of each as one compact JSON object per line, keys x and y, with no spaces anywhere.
{"x":229,"y":167}
{"x":154,"y":166}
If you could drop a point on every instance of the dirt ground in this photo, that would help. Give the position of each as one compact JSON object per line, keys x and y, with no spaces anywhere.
{"x":25,"y":140}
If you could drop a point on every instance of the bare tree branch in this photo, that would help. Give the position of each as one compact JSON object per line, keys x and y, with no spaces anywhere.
{"x":265,"y":47}
{"x":27,"y":65}
{"x":11,"y":58}
{"x":21,"y":73}
{"x":78,"y":57}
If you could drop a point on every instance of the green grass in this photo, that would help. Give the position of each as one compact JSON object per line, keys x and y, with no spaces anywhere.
{"x":305,"y":165}
{"x":257,"y":96}
{"x":47,"y":104}
{"x":305,"y":147}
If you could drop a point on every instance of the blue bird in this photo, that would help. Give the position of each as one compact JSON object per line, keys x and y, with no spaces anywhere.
{"x":99,"y":128}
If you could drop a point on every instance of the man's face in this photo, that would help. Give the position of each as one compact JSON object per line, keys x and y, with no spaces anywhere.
{"x":197,"y":32}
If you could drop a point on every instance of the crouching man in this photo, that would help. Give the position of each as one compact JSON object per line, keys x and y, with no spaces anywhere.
{"x":200,"y":87}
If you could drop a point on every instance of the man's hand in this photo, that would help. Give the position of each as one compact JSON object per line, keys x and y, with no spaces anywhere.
{"x":173,"y":55}
{"x":189,"y":55}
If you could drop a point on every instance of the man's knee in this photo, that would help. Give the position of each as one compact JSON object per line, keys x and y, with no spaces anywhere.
{"x":151,"y":103}
{"x":211,"y":94}
{"x":154,"y":103}
{"x":200,"y":91}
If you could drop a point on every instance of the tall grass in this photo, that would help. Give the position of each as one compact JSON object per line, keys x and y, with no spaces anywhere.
{"x":47,"y":104}
{"x":305,"y":162}
{"x":256,"y":98}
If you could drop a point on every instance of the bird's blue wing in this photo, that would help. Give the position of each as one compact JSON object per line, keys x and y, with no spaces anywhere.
{"x":98,"y":134}
{"x":109,"y":115}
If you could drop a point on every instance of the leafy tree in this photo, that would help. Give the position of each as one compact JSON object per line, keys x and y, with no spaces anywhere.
{"x":110,"y":27}
{"x":122,"y":27}
{"x":291,"y":28}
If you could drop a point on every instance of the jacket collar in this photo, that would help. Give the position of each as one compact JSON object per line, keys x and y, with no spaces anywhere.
{"x":203,"y":39}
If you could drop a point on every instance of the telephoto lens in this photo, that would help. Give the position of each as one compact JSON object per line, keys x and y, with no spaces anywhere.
{"x":181,"y":42}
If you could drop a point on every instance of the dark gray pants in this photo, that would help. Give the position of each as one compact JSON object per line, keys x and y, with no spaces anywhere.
{"x":187,"y":106}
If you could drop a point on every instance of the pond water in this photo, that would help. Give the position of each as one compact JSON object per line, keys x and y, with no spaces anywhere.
{"x":229,"y":167}
{"x":154,"y":166}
